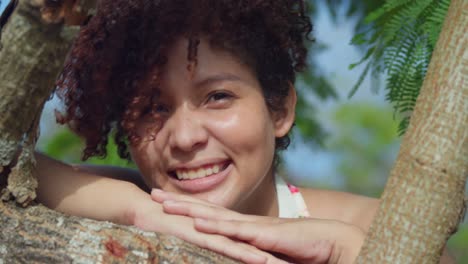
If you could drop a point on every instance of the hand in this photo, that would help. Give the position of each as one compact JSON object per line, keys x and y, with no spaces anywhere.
{"x":300,"y":240}
{"x":149,"y":216}
{"x":178,"y":204}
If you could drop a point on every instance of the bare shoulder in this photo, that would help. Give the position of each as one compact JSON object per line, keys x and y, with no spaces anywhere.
{"x":346,"y":207}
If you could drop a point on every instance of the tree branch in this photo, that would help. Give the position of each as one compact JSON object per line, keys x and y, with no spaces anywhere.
{"x":39,"y":235}
{"x":35,"y":42}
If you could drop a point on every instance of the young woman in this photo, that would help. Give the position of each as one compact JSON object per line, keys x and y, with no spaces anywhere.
{"x":200,"y":95}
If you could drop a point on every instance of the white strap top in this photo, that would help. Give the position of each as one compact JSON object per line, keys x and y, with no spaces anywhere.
{"x":290,"y":201}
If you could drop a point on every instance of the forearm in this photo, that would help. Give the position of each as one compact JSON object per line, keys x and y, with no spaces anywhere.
{"x":447,"y":258}
{"x":77,"y":192}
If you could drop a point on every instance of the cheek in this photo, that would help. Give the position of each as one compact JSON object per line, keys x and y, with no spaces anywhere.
{"x":246,"y":131}
{"x":141,"y":160}
{"x":147,"y":161}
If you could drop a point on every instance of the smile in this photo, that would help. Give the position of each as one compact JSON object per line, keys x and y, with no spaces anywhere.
{"x":200,"y":172}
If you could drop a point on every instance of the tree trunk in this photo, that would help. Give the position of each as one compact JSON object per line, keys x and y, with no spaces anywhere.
{"x":423,"y":201}
{"x":39,"y":235}
{"x":35,"y":43}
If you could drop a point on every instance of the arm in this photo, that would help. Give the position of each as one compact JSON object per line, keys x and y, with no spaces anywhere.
{"x":79,"y":191}
{"x":117,"y":173}
{"x":447,"y":258}
{"x":300,"y":239}
{"x":303,"y":240}
{"x":76,"y":191}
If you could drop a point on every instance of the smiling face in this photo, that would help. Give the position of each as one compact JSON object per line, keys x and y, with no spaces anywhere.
{"x":216,"y":136}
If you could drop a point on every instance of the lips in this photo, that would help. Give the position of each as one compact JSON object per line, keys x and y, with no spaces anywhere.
{"x":195,"y":171}
{"x":202,"y":178}
{"x":200,"y":172}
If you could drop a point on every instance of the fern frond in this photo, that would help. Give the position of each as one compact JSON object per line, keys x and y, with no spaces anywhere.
{"x":405,"y":16}
{"x":405,"y":82}
{"x":404,"y":37}
{"x":389,"y":5}
{"x":360,"y":80}
{"x":434,"y":20}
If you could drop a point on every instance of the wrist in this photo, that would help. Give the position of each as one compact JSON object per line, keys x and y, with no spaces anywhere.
{"x":132,"y":208}
{"x":348,"y":240}
{"x":141,"y":211}
{"x":352,"y":245}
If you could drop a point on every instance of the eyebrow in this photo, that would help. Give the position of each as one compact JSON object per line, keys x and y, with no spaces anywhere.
{"x":218,"y":78}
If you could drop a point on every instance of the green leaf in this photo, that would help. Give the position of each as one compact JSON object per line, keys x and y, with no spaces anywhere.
{"x":360,"y":80}
{"x":403,"y":35}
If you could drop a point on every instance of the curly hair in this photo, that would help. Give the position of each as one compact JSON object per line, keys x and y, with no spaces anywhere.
{"x":126,"y":39}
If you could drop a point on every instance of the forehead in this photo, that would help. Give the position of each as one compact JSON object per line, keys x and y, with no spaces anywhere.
{"x":209,"y":62}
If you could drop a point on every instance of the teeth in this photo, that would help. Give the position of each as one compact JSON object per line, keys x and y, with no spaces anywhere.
{"x":182,"y":175}
{"x":197,"y":173}
{"x":201,"y":173}
{"x":215,"y":169}
{"x":192,"y":175}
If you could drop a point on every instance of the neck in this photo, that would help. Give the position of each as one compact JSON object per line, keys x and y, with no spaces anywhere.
{"x":263,"y":201}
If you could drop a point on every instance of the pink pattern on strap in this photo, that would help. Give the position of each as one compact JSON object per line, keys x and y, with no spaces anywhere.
{"x":293,"y":188}
{"x":301,"y":205}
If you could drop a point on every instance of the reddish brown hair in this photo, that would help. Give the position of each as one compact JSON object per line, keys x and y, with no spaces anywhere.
{"x":126,"y":39}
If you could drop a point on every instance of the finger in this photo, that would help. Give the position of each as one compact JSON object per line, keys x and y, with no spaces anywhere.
{"x":243,"y":252}
{"x":229,"y":248}
{"x":197,"y":208}
{"x":236,"y":249}
{"x":202,"y":211}
{"x":269,"y":257}
{"x":271,"y":237}
{"x":244,"y":231}
{"x":214,"y":212}
{"x":160,"y":196}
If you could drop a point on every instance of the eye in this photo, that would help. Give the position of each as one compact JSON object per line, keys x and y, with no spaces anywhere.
{"x":219,"y":96}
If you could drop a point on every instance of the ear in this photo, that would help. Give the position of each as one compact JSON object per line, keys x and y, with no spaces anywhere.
{"x":284,"y":119}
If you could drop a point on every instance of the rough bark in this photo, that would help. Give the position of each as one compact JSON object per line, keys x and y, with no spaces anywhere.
{"x":39,"y":235}
{"x":35,"y":43}
{"x":423,"y":201}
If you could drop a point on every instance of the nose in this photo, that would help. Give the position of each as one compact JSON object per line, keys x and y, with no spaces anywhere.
{"x":186,"y":131}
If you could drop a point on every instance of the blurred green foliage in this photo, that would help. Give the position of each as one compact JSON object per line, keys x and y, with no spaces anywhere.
{"x":364,"y":137}
{"x":458,"y":244}
{"x":67,"y":146}
{"x":314,"y":81}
